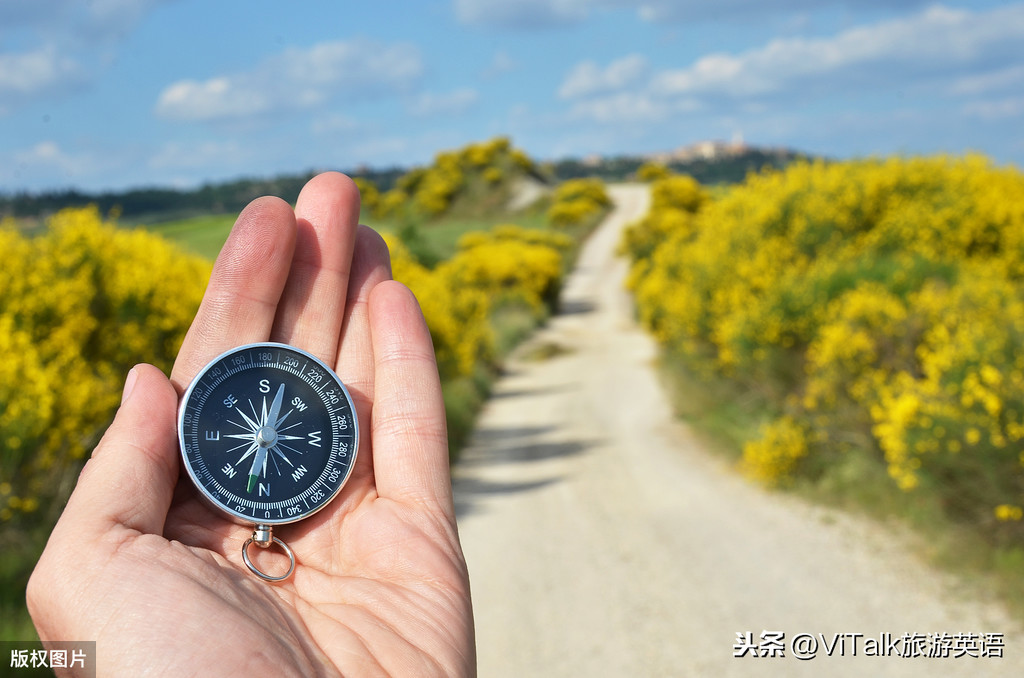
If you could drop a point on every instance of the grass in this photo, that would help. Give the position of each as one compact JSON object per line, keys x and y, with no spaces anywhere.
{"x":724,"y":414}
{"x":203,"y":235}
{"x":15,"y":623}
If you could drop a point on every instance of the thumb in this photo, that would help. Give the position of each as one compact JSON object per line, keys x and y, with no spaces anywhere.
{"x":129,"y":480}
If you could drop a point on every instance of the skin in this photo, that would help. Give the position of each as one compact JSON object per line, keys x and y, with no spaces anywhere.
{"x":138,"y":563}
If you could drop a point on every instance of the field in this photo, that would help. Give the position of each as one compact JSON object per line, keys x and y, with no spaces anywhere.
{"x":205,"y":235}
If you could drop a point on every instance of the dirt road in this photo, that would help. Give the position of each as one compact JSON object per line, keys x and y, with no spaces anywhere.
{"x":602,"y":541}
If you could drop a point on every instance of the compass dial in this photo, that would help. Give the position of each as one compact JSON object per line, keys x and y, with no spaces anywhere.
{"x":268,"y":433}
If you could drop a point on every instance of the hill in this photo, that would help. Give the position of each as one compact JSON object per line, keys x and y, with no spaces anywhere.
{"x":707,"y":162}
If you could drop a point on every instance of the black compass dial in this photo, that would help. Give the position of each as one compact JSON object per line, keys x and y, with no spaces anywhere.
{"x":268,"y":433}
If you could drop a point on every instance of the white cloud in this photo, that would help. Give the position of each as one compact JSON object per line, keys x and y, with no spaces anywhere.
{"x":44,"y":152}
{"x":213,"y":99}
{"x":295,"y":79}
{"x":522,"y":13}
{"x":449,"y":103}
{"x":383,"y":150}
{"x":335,"y":123}
{"x":587,"y":78}
{"x":529,"y":14}
{"x":1003,"y":79}
{"x":74,"y":20}
{"x":744,"y":11}
{"x":64,"y":44}
{"x":621,"y":108}
{"x":920,"y":51}
{"x":925,"y":43}
{"x":996,"y":109}
{"x":47,"y":158}
{"x":31,"y":73}
{"x":502,"y":63}
{"x":200,"y":156}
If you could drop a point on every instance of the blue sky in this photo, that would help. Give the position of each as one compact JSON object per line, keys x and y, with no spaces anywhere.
{"x":109,"y":94}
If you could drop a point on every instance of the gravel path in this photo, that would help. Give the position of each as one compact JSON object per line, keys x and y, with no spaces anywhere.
{"x":603,"y":541}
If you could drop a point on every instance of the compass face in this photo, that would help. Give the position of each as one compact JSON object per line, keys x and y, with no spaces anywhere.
{"x":268,"y":433}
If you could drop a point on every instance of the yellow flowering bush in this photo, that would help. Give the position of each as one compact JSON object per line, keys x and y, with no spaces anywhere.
{"x":508,"y":269}
{"x":674,"y":201}
{"x":652,"y":171}
{"x":876,"y":300}
{"x":439,"y":184}
{"x":430,"y":192}
{"x":494,"y":175}
{"x":1008,"y":512}
{"x":771,"y":458}
{"x":458,"y":318}
{"x":390,"y":203}
{"x":577,"y":201}
{"x":82,"y":303}
{"x":369,"y":195}
{"x":508,"y":264}
{"x":485,"y":154}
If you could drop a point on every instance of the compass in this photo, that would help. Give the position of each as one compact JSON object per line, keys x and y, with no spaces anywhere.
{"x":269,"y":436}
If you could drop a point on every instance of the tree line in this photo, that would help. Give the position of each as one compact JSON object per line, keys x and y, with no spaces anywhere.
{"x":156,"y":203}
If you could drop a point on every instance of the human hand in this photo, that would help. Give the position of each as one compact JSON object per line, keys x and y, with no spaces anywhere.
{"x":138,"y":563}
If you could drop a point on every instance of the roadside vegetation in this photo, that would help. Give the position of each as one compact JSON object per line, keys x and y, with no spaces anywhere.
{"x":855,"y":331}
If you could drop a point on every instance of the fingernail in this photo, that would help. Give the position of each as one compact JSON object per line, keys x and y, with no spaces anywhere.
{"x":129,"y":384}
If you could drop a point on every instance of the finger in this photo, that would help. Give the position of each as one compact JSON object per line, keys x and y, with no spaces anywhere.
{"x":129,"y":480}
{"x":311,"y":308}
{"x":241,"y":299}
{"x":371,"y":266}
{"x":409,"y":437}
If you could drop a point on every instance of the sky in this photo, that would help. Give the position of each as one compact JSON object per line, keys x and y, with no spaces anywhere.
{"x":114,"y":94}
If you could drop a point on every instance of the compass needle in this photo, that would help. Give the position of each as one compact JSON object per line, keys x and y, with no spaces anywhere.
{"x":275,"y":408}
{"x":249,"y":450}
{"x":259,"y":465}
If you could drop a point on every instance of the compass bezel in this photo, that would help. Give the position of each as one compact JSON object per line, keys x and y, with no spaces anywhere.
{"x":340,"y":457}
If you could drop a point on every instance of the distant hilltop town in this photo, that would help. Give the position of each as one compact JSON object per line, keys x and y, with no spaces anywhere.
{"x":706,"y":150}
{"x":708,"y":161}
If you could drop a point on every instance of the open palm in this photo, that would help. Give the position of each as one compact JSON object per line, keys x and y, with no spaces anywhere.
{"x":139,"y":564}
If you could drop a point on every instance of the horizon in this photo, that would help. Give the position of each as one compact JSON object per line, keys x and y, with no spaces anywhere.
{"x":656,"y":157}
{"x":128,"y":94}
